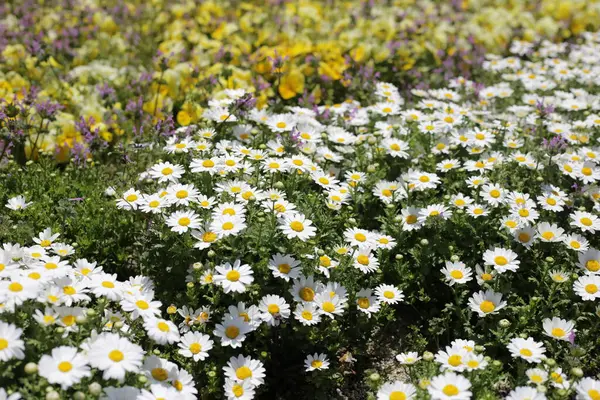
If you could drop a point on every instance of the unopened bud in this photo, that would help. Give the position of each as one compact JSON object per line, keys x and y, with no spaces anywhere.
{"x":31,"y":368}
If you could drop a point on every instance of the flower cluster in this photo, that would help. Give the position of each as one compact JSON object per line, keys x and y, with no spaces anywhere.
{"x":76,"y":79}
{"x":251,"y":249}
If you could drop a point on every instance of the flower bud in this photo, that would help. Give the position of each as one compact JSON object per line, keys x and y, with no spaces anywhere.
{"x":31,"y":368}
{"x":550,"y":361}
{"x":197,"y":266}
{"x":454,"y":258}
{"x":399,"y":257}
{"x":497,"y":363}
{"x":479,"y":348}
{"x":95,"y":389}
{"x":562,"y":392}
{"x":550,"y":259}
{"x":279,"y":185}
{"x":578,"y":372}
{"x":351,"y":221}
{"x":52,"y":395}
{"x":118,"y":324}
{"x":424,"y":242}
{"x":142,"y":379}
{"x":428,"y":356}
{"x":541,"y":389}
{"x":211,"y":253}
{"x":80,"y":319}
{"x":539,"y":179}
{"x":78,"y":396}
{"x":371,"y":169}
{"x":172,"y":309}
{"x":91,"y":312}
{"x":190,"y":284}
{"x":212,"y":374}
{"x":504,"y":323}
{"x":374,"y":377}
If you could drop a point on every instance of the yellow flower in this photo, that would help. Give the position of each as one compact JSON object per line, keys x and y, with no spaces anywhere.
{"x":183,"y":118}
{"x":291,"y":84}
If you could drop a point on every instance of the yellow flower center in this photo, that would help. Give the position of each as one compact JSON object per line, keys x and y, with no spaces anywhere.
{"x":397,"y":396}
{"x":456,"y":274}
{"x":181,"y":194}
{"x":450,"y":390}
{"x":424,"y":178}
{"x":586,"y":171}
{"x":586,"y":221}
{"x":363,"y":259}
{"x":307,"y":294}
{"x":395,"y":146}
{"x":388,"y":294}
{"x":50,"y":265}
{"x":185,"y":221}
{"x":500,"y":260}
{"x":160,"y":374}
{"x":307,"y":315}
{"x":455,"y":360}
{"x":592,"y":265}
{"x":68,"y":320}
{"x":548,"y":235}
{"x":163,"y":326}
{"x":594,"y":394}
{"x":363,"y":302}
{"x":116,"y":355}
{"x":15,"y":287}
{"x":177,"y":385}
{"x":495,"y":193}
{"x":558,"y":332}
{"x":243,"y":373}
{"x":487,"y":306}
{"x":65,"y":366}
{"x":591,"y":288}
{"x":273,"y":308}
{"x":233,"y":276}
{"x":284,"y":268}
{"x":167,"y":171}
{"x":526,"y":352}
{"x":208,"y":163}
{"x":281,"y":125}
{"x":328,"y":307}
{"x":154,"y":203}
{"x":141,"y":304}
{"x":3,"y":344}
{"x":238,"y":391}
{"x":195,"y":348}
{"x":316,"y":364}
{"x":232,"y":332}
{"x":228,"y":226}
{"x":297,"y":226}
{"x":69,"y":290}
